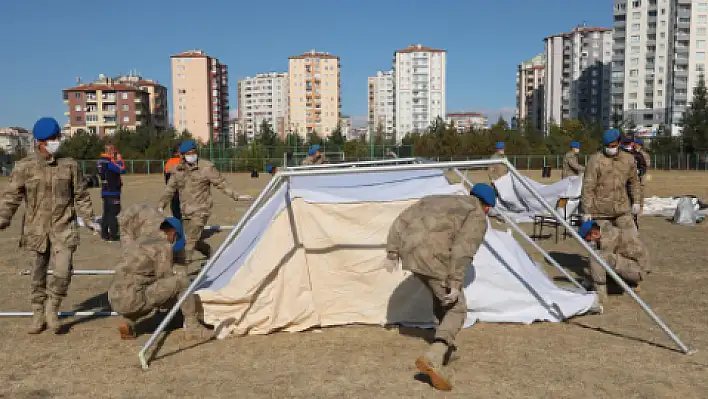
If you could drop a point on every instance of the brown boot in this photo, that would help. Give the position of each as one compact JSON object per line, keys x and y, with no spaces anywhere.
{"x":127,"y":329}
{"x":431,"y":363}
{"x":38,"y":320}
{"x":195,"y":331}
{"x":51,"y":310}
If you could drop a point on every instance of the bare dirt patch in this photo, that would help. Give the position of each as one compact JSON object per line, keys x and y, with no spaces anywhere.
{"x":617,"y":354}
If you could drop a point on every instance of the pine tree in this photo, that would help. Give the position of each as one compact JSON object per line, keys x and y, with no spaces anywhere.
{"x":695,"y":119}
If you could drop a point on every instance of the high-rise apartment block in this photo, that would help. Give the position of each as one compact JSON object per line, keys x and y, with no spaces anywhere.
{"x":200,"y":95}
{"x":578,"y":69}
{"x":263,"y":98}
{"x":382,"y":111}
{"x":419,"y":83}
{"x":315,"y":101}
{"x":530,"y":80}
{"x":102,"y":106}
{"x":659,"y":54}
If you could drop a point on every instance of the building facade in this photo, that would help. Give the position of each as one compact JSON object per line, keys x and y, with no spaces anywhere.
{"x":103,"y":106}
{"x":315,"y":101}
{"x":530,"y":81}
{"x":264,"y":98}
{"x":419,"y":84}
{"x":464,"y":121}
{"x":577,"y":76}
{"x":382,"y":111}
{"x":13,"y":139}
{"x":200,"y":97}
{"x":157,"y":93}
{"x":659,"y":55}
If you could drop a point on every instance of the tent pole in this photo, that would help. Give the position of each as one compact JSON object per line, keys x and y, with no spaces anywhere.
{"x":528,"y":239}
{"x":684,"y":348}
{"x":144,"y":361}
{"x":393,"y":161}
{"x":89,"y":272}
{"x":61,"y":314}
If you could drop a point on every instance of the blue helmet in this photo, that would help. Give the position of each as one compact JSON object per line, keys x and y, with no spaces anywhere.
{"x":46,"y":128}
{"x":177,"y":225}
{"x":585,"y":228}
{"x":499,"y":145}
{"x":187,"y":146}
{"x":485,"y":193}
{"x":313,"y":149}
{"x":575,"y":144}
{"x":639,"y":141}
{"x":610,"y":136}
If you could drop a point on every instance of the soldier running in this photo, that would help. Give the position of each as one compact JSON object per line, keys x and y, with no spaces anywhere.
{"x":436,"y":239}
{"x":53,"y":192}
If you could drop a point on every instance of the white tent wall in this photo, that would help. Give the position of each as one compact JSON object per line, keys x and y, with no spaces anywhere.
{"x":520,"y":203}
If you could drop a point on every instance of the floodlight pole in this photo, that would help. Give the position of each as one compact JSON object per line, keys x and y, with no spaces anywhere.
{"x":272,"y":183}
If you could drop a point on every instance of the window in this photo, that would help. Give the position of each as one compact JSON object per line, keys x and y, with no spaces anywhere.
{"x":632,"y":105}
{"x":700,"y":43}
{"x":634,"y":83}
{"x":126,"y":107}
{"x":702,"y":19}
{"x":663,"y":11}
{"x":701,"y":31}
{"x":659,"y":104}
{"x":700,"y":56}
{"x":636,"y":26}
{"x":77,"y":108}
{"x":635,"y":50}
{"x":77,"y":95}
{"x":632,"y":96}
{"x":662,"y":24}
{"x":634,"y":61}
{"x":124,"y":96}
{"x":91,"y":118}
{"x":126,"y":119}
{"x":702,"y":7}
{"x":659,"y":92}
{"x":700,"y":67}
{"x":634,"y":73}
{"x":662,"y":35}
{"x":636,"y":3}
{"x":78,"y":119}
{"x":636,"y":15}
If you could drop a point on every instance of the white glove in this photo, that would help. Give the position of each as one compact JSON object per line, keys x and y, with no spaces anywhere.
{"x":587,"y":217}
{"x":636,"y":209}
{"x":451,"y":298}
{"x":391,"y":265}
{"x":161,"y":210}
{"x":94,"y":226}
{"x":244,"y":197}
{"x":647,"y":178}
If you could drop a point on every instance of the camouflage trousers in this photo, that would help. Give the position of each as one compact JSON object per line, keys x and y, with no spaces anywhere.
{"x":623,"y":222}
{"x":59,"y":284}
{"x":626,"y":268}
{"x":450,"y":318}
{"x":193,"y":230}
{"x":139,"y":300}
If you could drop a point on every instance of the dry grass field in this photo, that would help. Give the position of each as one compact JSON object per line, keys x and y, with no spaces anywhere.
{"x":618,"y":354}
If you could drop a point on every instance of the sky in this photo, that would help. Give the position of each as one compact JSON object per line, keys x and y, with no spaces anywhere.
{"x":46,"y":44}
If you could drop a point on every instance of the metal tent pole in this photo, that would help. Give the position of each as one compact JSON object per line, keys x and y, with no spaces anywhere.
{"x":192,"y":287}
{"x":88,"y":272}
{"x":61,"y":314}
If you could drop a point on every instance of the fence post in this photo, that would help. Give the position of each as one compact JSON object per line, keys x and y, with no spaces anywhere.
{"x":83,"y":168}
{"x":132,"y":166}
{"x":147,"y":166}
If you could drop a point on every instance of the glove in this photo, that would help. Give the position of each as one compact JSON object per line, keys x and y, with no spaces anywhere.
{"x":451,"y":297}
{"x":647,"y":178}
{"x":161,"y":210}
{"x":391,"y":264}
{"x":94,"y":226}
{"x":4,"y":224}
{"x":587,"y":217}
{"x":636,"y":209}
{"x":244,"y":197}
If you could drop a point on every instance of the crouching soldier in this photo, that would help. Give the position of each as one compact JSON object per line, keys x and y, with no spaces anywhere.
{"x":138,"y":220}
{"x":622,"y":251}
{"x":145,"y":281}
{"x":314,"y":156}
{"x":436,"y":239}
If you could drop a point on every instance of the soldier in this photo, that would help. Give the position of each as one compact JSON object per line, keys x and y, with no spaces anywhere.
{"x":639,"y":148}
{"x":623,"y":252}
{"x":571,"y":166}
{"x":314,"y":156}
{"x":193,"y":179}
{"x":169,"y":170}
{"x":436,"y":239}
{"x":605,"y":185}
{"x":53,"y":192}
{"x":145,"y":281}
{"x":498,"y":170}
{"x":138,"y":220}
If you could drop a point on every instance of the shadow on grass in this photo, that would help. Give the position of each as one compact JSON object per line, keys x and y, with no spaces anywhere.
{"x":623,"y":335}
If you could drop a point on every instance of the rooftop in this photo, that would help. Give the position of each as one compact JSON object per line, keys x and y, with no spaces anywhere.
{"x":581,"y":29}
{"x":190,"y":54}
{"x":103,"y":87}
{"x":419,"y":48}
{"x":314,"y":54}
{"x":465,"y":114}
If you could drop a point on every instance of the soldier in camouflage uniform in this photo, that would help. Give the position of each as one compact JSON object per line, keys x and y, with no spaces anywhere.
{"x":145,"y":281}
{"x":314,"y":156}
{"x":138,"y":220}
{"x":498,"y":170}
{"x":193,"y":179}
{"x":571,"y":166}
{"x":609,"y":176}
{"x":436,"y":239}
{"x":53,"y":192}
{"x":639,"y":147}
{"x":623,"y":252}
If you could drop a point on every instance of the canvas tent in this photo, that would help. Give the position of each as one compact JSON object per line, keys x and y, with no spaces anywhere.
{"x":521,"y":205}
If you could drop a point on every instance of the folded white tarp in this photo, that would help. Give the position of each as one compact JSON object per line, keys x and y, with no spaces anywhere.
{"x":321,"y":262}
{"x":664,"y":206}
{"x":521,"y":205}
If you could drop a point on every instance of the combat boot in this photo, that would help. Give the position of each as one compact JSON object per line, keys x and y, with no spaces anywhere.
{"x":601,"y":290}
{"x":38,"y":320}
{"x":51,"y":310}
{"x":195,"y":331}
{"x":431,"y":363}
{"x":127,"y":329}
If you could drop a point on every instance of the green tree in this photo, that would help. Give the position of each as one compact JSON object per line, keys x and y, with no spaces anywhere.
{"x":241,"y":140}
{"x":336,"y":138}
{"x":313,"y":138}
{"x":266,"y":135}
{"x":695,"y":119}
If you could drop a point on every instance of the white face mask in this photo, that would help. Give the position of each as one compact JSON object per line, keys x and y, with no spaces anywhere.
{"x":191,"y":158}
{"x":52,"y":146}
{"x":501,"y":152}
{"x":628,"y":147}
{"x":576,"y":150}
{"x":611,"y":151}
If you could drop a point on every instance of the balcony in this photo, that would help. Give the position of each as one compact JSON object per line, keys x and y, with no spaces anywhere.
{"x":91,"y":98}
{"x":108,"y":98}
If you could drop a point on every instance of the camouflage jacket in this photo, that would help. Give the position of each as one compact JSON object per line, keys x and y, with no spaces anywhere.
{"x":53,"y":191}
{"x":498,"y":170}
{"x":647,"y":158}
{"x":606,"y":184}
{"x":624,"y":243}
{"x":313,"y":160}
{"x":571,"y":166}
{"x":138,"y":220}
{"x":193,"y":182}
{"x":142,"y":263}
{"x":438,"y":236}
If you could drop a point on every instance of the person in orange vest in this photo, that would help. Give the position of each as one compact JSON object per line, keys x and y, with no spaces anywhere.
{"x":110,"y":167}
{"x":169,"y":170}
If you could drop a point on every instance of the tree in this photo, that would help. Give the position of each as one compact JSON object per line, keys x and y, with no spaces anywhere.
{"x":241,"y":140}
{"x":336,"y":138}
{"x":266,"y":135}
{"x":313,"y":138}
{"x":695,"y":119}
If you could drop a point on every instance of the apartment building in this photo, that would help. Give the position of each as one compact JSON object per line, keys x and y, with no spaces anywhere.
{"x":264,"y":98}
{"x":659,"y":54}
{"x":157,"y":93}
{"x":382,"y":111}
{"x":200,"y":97}
{"x":13,"y":139}
{"x":101,"y":107}
{"x":419,"y":84}
{"x":577,"y":81}
{"x":345,"y":125}
{"x":530,"y":81}
{"x":315,"y":101}
{"x":464,"y":121}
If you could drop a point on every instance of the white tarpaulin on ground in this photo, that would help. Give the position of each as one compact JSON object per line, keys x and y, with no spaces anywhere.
{"x":657,"y":206}
{"x":314,"y":255}
{"x":521,"y":205}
